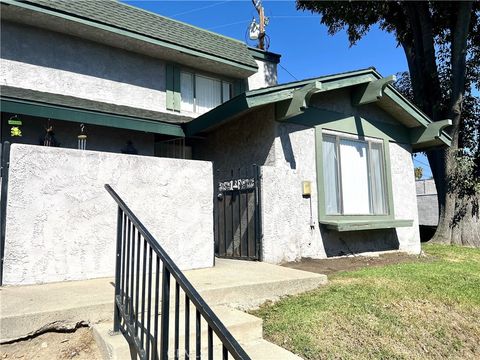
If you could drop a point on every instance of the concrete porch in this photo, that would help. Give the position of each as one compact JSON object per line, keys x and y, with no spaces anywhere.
{"x":229,"y":287}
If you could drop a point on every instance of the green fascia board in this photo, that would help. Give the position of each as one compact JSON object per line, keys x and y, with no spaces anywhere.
{"x":216,"y":116}
{"x":264,"y":55}
{"x":131,"y":34}
{"x":350,"y":225}
{"x":281,"y":94}
{"x":17,"y":106}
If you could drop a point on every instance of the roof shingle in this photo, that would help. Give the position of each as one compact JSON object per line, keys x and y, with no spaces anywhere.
{"x":125,"y":17}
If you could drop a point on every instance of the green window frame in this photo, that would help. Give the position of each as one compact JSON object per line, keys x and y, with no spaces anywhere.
{"x":173,"y":85}
{"x":327,"y":218}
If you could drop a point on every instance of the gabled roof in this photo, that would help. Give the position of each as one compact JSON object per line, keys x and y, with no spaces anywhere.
{"x":392,"y":102}
{"x":140,"y":22}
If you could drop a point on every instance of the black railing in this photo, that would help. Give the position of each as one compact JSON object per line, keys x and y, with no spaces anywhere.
{"x":139,"y":258}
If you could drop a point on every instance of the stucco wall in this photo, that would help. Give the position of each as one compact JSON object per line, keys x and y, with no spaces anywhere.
{"x":404,"y":196}
{"x":290,"y":221}
{"x":61,"y":222}
{"x":242,"y":142}
{"x":47,"y":61}
{"x":265,"y":76}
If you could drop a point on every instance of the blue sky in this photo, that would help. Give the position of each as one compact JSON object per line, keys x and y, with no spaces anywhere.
{"x":306,"y":48}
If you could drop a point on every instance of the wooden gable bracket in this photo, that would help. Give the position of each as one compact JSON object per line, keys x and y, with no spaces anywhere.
{"x":372,"y":91}
{"x":433,"y":131}
{"x":298,"y":103}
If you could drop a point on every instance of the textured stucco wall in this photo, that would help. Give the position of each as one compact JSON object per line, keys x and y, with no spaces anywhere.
{"x":288,"y":157}
{"x":404,"y":196}
{"x":242,"y":142}
{"x":265,"y":76}
{"x":61,"y":222}
{"x":46,"y":61}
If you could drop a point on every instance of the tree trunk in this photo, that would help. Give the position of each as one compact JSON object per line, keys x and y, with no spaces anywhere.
{"x":458,"y":221}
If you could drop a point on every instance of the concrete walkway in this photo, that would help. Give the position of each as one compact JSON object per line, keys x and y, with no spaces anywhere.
{"x":26,"y":310}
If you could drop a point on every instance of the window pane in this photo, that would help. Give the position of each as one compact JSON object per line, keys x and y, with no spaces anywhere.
{"x":208,"y":94}
{"x":330,"y":175}
{"x":186,"y":90}
{"x":377,"y":179}
{"x":225,"y":91}
{"x":355,"y":189}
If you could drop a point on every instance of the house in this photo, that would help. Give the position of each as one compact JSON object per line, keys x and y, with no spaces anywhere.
{"x":333,"y":169}
{"x":119,"y":71}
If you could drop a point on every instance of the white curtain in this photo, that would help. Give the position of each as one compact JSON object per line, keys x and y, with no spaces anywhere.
{"x":186,"y":90}
{"x":226,"y":91}
{"x":354,"y":170}
{"x":377,"y":179}
{"x":207,"y":93}
{"x":330,"y":175}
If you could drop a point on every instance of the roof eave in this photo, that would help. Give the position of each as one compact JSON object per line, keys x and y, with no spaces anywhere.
{"x":250,"y":69}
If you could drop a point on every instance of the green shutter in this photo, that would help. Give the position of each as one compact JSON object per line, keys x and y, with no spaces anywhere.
{"x":177,"y":97}
{"x":173,"y":87}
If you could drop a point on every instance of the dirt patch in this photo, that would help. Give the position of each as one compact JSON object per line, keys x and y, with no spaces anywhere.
{"x":78,"y":345}
{"x":349,"y":263}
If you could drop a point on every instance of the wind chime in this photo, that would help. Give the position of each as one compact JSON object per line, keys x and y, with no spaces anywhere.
{"x":82,"y":138}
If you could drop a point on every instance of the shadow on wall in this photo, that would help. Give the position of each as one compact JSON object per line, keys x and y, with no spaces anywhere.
{"x":356,"y":242}
{"x":270,"y":75}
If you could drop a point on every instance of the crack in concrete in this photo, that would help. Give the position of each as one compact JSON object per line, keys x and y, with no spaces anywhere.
{"x":59,"y":326}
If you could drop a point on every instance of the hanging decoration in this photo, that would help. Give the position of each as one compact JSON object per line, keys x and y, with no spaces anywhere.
{"x":49,"y":139}
{"x":82,"y":138}
{"x":15,"y":130}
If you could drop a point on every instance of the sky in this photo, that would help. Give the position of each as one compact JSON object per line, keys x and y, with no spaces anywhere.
{"x":306,"y":48}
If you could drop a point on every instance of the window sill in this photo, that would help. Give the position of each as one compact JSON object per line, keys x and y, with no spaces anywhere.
{"x":355,"y":225}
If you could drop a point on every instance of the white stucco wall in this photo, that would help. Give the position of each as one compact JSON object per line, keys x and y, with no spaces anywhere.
{"x":43,"y":60}
{"x":404,"y":196}
{"x":287,"y":234}
{"x":288,"y":156}
{"x":61,"y":222}
{"x":265,"y":76}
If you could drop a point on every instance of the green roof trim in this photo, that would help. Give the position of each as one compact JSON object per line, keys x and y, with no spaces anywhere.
{"x":146,"y":26}
{"x":67,"y":113}
{"x":284,"y":95}
{"x":264,"y":55}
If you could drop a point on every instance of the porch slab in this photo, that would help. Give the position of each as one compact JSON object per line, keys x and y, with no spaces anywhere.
{"x":26,"y":310}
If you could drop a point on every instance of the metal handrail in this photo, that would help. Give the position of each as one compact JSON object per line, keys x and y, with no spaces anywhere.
{"x":124,"y":305}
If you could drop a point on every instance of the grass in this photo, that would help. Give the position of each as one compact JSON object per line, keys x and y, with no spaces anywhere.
{"x":425,"y":309}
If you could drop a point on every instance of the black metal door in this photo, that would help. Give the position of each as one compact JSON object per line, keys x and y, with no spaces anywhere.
{"x":237,"y":218}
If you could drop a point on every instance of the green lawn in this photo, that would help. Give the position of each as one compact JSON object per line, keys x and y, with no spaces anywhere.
{"x":429,"y":308}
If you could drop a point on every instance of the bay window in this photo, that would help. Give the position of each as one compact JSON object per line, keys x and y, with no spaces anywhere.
{"x":200,"y":93}
{"x":354,"y":175}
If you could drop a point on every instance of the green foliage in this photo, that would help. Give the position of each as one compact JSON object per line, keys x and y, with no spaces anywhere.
{"x":441,"y":41}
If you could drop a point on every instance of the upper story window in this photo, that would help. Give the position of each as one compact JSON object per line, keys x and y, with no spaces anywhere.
{"x":200,"y":93}
{"x":354,"y":175}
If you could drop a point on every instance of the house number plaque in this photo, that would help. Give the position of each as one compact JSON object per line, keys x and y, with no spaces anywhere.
{"x":238,"y":184}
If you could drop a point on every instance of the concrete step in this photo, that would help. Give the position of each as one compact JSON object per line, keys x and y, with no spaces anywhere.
{"x":116,"y":347}
{"x":244,"y":327}
{"x":25,"y":310}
